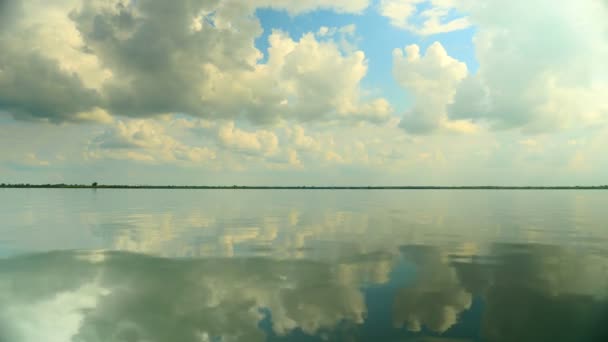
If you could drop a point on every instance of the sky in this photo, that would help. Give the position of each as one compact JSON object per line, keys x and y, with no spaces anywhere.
{"x":308,"y":92}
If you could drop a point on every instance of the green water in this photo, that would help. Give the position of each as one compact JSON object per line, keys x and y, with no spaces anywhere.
{"x":231,"y":265}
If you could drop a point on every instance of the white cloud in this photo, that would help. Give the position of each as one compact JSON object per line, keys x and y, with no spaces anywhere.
{"x":301,"y":141}
{"x":348,"y":29}
{"x":293,"y":158}
{"x":96,"y":114}
{"x":319,"y":81}
{"x":31,"y":159}
{"x":324,"y":31}
{"x":144,"y":140}
{"x":436,"y":19}
{"x":333,"y":156}
{"x":302,"y":6}
{"x":259,"y":142}
{"x":432,"y":79}
{"x":541,"y":66}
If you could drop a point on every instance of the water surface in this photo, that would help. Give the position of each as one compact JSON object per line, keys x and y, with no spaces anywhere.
{"x":229,"y":265}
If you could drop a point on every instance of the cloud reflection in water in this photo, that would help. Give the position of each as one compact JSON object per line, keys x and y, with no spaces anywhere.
{"x":528,"y":293}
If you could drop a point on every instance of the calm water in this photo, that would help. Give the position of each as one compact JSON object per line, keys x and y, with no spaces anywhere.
{"x":158,"y":265}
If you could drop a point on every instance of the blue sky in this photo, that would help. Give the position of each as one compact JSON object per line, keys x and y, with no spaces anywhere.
{"x":376,"y":37}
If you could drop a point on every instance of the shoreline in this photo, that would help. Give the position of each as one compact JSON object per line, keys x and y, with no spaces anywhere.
{"x":193,"y":187}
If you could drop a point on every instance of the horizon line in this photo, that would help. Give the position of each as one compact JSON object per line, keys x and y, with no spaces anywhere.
{"x":308,"y":187}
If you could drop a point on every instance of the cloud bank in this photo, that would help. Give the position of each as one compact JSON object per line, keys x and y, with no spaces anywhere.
{"x":150,"y":58}
{"x":315,"y":103}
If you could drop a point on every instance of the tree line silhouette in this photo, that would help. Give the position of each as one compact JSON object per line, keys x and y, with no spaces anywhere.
{"x":96,"y":185}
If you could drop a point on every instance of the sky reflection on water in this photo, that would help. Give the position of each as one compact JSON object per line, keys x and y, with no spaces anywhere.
{"x":89,"y":266}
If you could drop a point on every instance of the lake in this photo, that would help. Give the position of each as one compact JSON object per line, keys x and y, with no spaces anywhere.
{"x":285,"y":265}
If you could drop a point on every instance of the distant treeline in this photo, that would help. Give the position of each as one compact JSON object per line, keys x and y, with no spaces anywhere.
{"x":193,"y":187}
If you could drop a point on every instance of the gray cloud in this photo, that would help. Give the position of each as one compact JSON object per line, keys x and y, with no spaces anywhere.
{"x":34,"y":87}
{"x":7,"y":9}
{"x":72,"y":60}
{"x":157,"y":60}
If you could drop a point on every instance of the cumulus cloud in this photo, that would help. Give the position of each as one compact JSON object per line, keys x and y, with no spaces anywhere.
{"x":534,"y":73}
{"x":288,"y":146}
{"x":147,"y":58}
{"x":541,"y":67}
{"x":144,"y":140}
{"x":435,"y":19}
{"x":43,"y":75}
{"x":257,"y":142}
{"x":321,"y":81}
{"x":432,"y":79}
{"x":301,"y":141}
{"x":33,"y":87}
{"x":267,"y":147}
